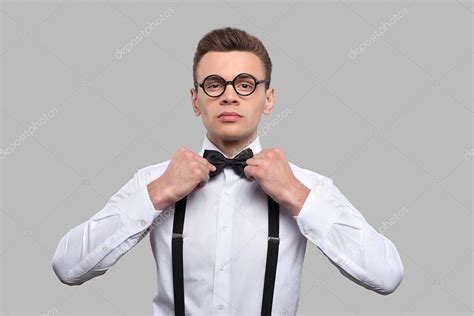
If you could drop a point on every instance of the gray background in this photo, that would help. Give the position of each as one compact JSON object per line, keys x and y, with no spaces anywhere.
{"x":392,"y":127}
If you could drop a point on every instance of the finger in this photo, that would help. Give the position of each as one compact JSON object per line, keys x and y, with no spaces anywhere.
{"x":204,"y":167}
{"x":254,"y":161}
{"x":206,"y":171}
{"x":211,"y":166}
{"x":250,"y":171}
{"x":207,"y":164}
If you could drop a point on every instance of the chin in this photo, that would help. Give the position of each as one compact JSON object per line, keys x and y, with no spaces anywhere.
{"x":230,"y":134}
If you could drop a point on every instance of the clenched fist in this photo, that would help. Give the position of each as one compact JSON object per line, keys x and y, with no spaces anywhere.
{"x":186,"y":171}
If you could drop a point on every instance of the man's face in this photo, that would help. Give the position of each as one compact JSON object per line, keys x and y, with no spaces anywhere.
{"x":228,"y":65}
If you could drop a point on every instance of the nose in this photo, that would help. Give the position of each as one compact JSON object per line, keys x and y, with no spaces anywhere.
{"x":229,"y":96}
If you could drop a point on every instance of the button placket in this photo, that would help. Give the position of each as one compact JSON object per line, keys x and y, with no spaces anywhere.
{"x":221,"y":286}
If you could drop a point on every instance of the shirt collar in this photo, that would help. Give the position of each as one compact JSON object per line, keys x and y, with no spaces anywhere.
{"x":254,"y":145}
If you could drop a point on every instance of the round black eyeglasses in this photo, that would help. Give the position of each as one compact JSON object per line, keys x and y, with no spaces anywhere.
{"x":244,"y":84}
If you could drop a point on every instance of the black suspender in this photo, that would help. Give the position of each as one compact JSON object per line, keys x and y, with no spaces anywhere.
{"x":177,"y":256}
{"x":272,"y":256}
{"x":270,"y":268}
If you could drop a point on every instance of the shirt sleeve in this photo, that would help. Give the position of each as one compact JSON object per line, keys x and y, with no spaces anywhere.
{"x":340,"y":231}
{"x":91,"y":248}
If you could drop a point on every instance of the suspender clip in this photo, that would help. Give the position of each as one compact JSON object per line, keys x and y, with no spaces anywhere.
{"x":175,"y":235}
{"x":274,"y":239}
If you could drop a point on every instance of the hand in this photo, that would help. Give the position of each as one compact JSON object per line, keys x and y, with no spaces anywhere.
{"x":186,"y":172}
{"x":273,"y":173}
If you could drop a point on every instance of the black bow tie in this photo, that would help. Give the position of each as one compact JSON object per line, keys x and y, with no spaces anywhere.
{"x":220,"y":161}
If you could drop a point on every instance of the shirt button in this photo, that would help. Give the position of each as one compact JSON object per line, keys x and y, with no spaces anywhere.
{"x":307,"y":230}
{"x":222,"y":267}
{"x":221,"y":307}
{"x":104,"y":248}
{"x":143,"y":222}
{"x":224,"y":228}
{"x":226,"y":193}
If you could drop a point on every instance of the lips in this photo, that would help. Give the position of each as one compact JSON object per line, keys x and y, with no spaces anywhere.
{"x":229,"y":114}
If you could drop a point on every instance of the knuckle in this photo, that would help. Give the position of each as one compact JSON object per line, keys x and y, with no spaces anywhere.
{"x":197,"y":172}
{"x":277,"y":152}
{"x":188,"y":153}
{"x":180,"y":152}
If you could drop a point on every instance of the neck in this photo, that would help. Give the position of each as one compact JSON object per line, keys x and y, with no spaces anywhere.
{"x":231,"y":148}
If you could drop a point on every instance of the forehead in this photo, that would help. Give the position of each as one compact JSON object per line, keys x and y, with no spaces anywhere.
{"x":230,"y":64}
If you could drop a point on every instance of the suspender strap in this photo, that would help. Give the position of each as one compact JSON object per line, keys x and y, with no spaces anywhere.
{"x":270,"y":268}
{"x":272,"y":256}
{"x":177,"y":256}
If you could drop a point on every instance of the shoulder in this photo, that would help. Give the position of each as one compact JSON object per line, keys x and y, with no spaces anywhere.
{"x":310,"y":178}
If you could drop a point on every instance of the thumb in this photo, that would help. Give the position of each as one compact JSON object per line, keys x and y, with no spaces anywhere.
{"x":248,"y":170}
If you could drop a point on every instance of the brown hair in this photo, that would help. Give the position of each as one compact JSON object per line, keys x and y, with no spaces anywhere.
{"x":232,"y":39}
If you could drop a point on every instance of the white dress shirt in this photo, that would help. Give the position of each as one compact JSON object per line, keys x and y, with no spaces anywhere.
{"x":225,"y":242}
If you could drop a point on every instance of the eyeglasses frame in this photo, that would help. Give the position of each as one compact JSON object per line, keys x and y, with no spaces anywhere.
{"x":232,"y":82}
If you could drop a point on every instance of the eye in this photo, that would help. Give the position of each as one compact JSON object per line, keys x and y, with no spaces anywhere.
{"x":245,"y":85}
{"x":212,"y":85}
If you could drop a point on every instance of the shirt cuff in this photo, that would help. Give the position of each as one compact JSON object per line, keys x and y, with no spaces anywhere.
{"x":137,"y":210}
{"x":317,"y":215}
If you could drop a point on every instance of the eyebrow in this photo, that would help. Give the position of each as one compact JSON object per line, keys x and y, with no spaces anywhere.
{"x":215,"y":74}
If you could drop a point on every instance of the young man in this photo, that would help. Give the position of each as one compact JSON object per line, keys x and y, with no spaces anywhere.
{"x":249,"y":212}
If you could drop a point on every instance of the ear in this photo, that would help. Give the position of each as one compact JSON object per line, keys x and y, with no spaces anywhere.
{"x":269,"y":100}
{"x":194,"y":102}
